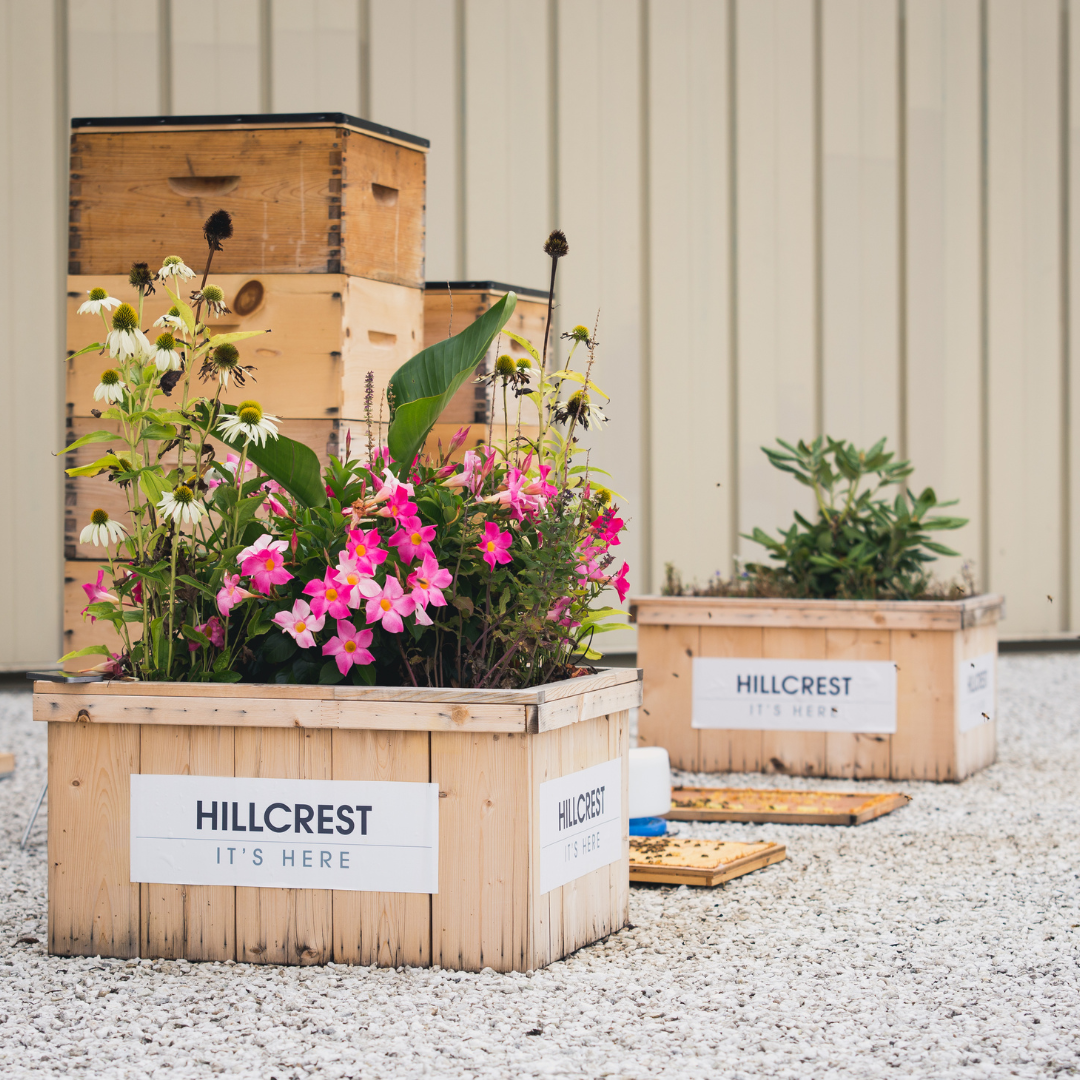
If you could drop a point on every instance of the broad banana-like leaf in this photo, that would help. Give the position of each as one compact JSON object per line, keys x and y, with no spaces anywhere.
{"x":423,"y":386}
{"x":293,"y":465}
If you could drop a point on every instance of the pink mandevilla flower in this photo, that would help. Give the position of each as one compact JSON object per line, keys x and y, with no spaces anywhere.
{"x":96,"y":593}
{"x":213,"y":629}
{"x":558,"y":612}
{"x":398,"y":506}
{"x":300,"y":623}
{"x":272,"y":488}
{"x":493,"y":545}
{"x":349,"y":646}
{"x":266,"y":568}
{"x":264,"y":541}
{"x":364,"y":549}
{"x":329,"y":596}
{"x":427,"y":586}
{"x":622,"y":586}
{"x":413,"y":540}
{"x":232,"y":463}
{"x":230,"y":594}
{"x":389,"y":605}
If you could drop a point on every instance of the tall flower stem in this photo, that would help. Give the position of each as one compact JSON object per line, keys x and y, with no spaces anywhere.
{"x":172,"y":599}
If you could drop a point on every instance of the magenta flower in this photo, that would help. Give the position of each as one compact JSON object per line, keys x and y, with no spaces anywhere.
{"x":622,"y":586}
{"x":272,"y":488}
{"x":389,"y":605}
{"x":351,"y":576}
{"x":559,"y":612}
{"x":329,"y":596}
{"x":413,"y":540}
{"x":349,"y":646}
{"x":476,"y":469}
{"x":300,"y":623}
{"x":230,"y":594}
{"x":95,"y":593}
{"x":398,"y":506}
{"x":427,"y":585}
{"x":266,"y":568}
{"x":493,"y":544}
{"x":264,"y":541}
{"x":364,"y":549}
{"x":607,"y":528}
{"x":232,"y":463}
{"x":213,"y":629}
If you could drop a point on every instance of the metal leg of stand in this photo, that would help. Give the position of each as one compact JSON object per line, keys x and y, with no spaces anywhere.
{"x":33,"y":816}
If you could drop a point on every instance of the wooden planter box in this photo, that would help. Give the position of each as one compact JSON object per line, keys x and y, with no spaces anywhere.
{"x":944,"y":655}
{"x":488,"y":752}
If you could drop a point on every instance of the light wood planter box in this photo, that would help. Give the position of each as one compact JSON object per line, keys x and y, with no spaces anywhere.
{"x":489,"y":752}
{"x":927,"y":640}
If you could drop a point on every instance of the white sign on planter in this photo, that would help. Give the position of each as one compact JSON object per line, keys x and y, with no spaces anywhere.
{"x":975,"y":691}
{"x":857,"y":696}
{"x":360,"y":835}
{"x":580,"y":823}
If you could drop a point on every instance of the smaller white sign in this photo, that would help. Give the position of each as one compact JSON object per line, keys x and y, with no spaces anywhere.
{"x":580,"y":823}
{"x":975,"y":691}
{"x":361,"y":835}
{"x":855,"y":696}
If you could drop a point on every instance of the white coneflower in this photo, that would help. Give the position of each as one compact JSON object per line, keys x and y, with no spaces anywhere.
{"x":213,"y":297}
{"x":249,"y":420}
{"x":171,"y":319}
{"x":164,"y":353}
{"x":111,"y":387}
{"x":181,"y":506}
{"x":102,"y":530}
{"x":176,"y":267}
{"x":126,"y":339}
{"x":99,"y":299}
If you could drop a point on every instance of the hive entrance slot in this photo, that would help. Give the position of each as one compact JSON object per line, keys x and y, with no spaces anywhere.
{"x":384,"y":341}
{"x":204,"y":186}
{"x":385,"y":196}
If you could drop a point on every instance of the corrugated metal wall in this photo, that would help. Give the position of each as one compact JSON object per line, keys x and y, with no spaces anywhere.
{"x":853,"y":216}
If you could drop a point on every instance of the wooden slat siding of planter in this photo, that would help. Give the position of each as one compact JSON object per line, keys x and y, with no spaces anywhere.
{"x":318,"y":199}
{"x":927,"y":639}
{"x":488,"y":911}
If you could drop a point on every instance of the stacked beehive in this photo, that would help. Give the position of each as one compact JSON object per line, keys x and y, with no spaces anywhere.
{"x":327,"y":253}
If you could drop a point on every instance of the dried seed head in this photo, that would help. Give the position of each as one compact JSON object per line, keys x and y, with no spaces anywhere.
{"x":140,"y":277}
{"x":505,"y":366}
{"x":172,"y":260}
{"x":576,"y":403}
{"x":226,"y":356}
{"x":217,"y":227}
{"x":165,"y":341}
{"x":98,"y":517}
{"x":556,"y":245}
{"x":212,"y":294}
{"x":174,"y":312}
{"x":579,"y":333}
{"x":110,"y":376}
{"x":125,"y":318}
{"x":98,"y":294}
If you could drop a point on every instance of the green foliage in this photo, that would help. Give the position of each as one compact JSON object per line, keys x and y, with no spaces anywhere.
{"x":862,"y":545}
{"x":422,"y":387}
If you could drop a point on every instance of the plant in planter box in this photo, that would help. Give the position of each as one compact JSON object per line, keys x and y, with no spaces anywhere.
{"x":388,"y":569}
{"x":862,"y":546}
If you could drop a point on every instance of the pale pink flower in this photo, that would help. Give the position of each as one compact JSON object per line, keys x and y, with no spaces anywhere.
{"x":413,"y":540}
{"x":476,"y":468}
{"x":230,"y":594}
{"x":364,"y":548}
{"x":493,"y":545}
{"x":300,"y":623}
{"x":264,"y":541}
{"x":390,"y":484}
{"x":353,"y":579}
{"x":232,"y":463}
{"x":349,"y":646}
{"x":266,"y":568}
{"x":329,"y":596}
{"x":389,"y":605}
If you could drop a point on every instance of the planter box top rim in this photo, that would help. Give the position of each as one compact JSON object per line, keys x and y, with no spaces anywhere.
{"x":538,"y":695}
{"x":983,"y":609}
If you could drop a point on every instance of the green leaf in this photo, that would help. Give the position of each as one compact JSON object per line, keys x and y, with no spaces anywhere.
{"x":109,"y":461}
{"x":240,"y":335}
{"x":96,"y":347}
{"x":153,"y":485}
{"x":92,"y":437}
{"x":292,"y":464}
{"x":187,"y":316}
{"x":90,"y":650}
{"x":424,"y":385}
{"x":194,"y":635}
{"x":329,"y":674}
{"x":526,"y":345}
{"x":157,"y":432}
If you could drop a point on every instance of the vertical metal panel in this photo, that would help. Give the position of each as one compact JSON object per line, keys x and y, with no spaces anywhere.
{"x":943,"y":220}
{"x":1072,"y":401}
{"x":112,"y":54}
{"x":1024,"y":310}
{"x":599,"y":202}
{"x":688,"y":288}
{"x":414,"y":87}
{"x":217,"y":56}
{"x":776,"y":251}
{"x":32,"y":203}
{"x":861,"y":221}
{"x":315,"y":56}
{"x":507,"y":140}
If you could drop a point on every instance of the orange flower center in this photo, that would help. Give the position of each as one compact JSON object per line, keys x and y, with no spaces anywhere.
{"x":491,"y":545}
{"x":361,"y":551}
{"x":331,"y":594}
{"x":352,"y":579}
{"x":300,"y":627}
{"x":385,"y":605}
{"x":416,"y":539}
{"x":423,"y":583}
{"x":349,"y":646}
{"x":270,"y":563}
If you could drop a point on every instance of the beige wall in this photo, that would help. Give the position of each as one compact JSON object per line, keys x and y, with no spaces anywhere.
{"x":794,"y":215}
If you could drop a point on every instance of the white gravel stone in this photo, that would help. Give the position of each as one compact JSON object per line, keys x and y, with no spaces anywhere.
{"x":940,"y":941}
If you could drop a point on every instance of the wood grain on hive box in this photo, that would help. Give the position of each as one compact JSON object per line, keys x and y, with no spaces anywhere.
{"x":315,"y":198}
{"x":930,"y":643}
{"x":486,"y":751}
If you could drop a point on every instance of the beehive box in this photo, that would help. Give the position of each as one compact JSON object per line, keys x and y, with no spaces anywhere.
{"x":518,"y":884}
{"x":319,"y":193}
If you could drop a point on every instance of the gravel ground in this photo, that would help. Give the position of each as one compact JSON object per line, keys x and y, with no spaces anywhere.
{"x":940,"y":941}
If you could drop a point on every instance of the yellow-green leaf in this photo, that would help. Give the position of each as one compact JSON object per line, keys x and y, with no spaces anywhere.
{"x":240,"y":335}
